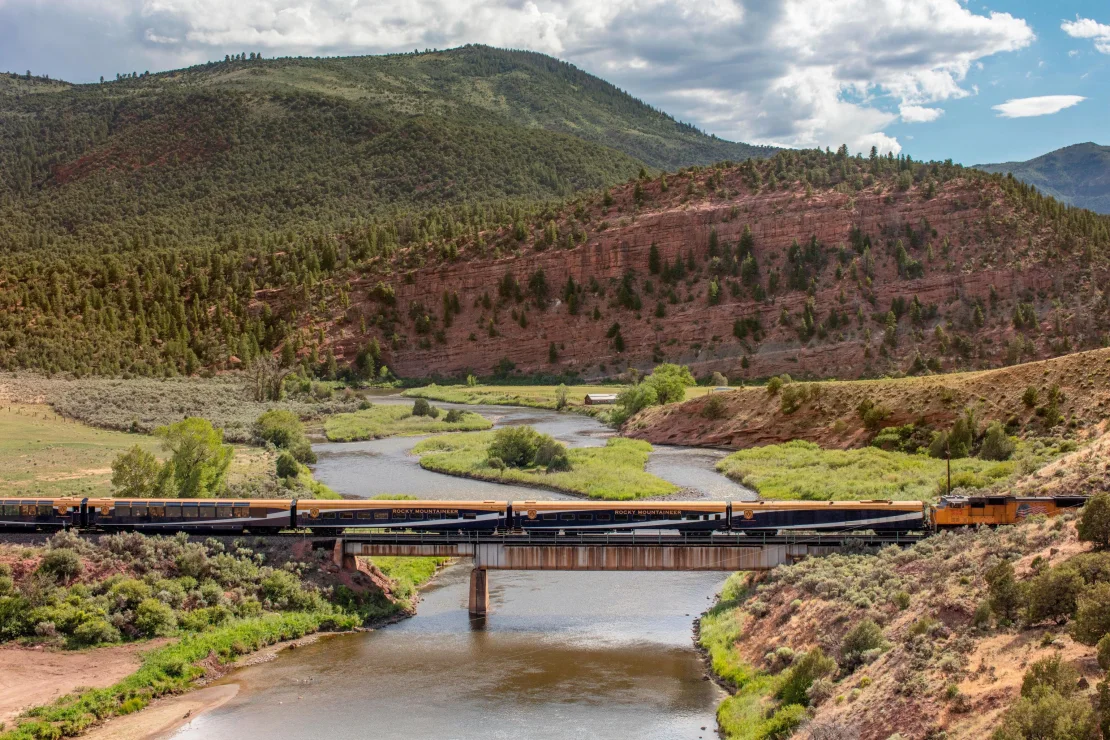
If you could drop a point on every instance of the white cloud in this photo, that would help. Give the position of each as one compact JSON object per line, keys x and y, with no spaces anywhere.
{"x":1045,"y":105}
{"x":793,"y":72}
{"x":919,"y":114}
{"x":1087,"y":28}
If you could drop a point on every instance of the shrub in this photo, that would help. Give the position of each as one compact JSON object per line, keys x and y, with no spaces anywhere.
{"x":1092,"y":617}
{"x":810,"y":667}
{"x":718,"y":379}
{"x":553,"y":456}
{"x":1104,"y":652}
{"x":1050,"y":716}
{"x":791,"y":398}
{"x":287,"y":466}
{"x":421,"y":407}
{"x":15,"y":620}
{"x":782,"y":724}
{"x":670,"y":382}
{"x":136,"y":474}
{"x":1004,"y":591}
{"x":632,"y":401}
{"x":861,"y":639}
{"x":1029,"y":397}
{"x":874,"y":417}
{"x":997,"y":445}
{"x":819,"y":691}
{"x":496,"y":463}
{"x":774,"y":385}
{"x":902,"y":600}
{"x":561,"y":397}
{"x":155,"y":619}
{"x":454,"y":416}
{"x":94,"y":632}
{"x":516,"y":446}
{"x":1050,"y":674}
{"x":1053,"y":595}
{"x":714,"y":408}
{"x":61,"y":564}
{"x":1094,"y":522}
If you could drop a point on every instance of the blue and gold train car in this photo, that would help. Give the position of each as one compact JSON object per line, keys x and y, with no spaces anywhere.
{"x":424,"y":516}
{"x":828,"y":516}
{"x":188,"y":515}
{"x":36,"y":514}
{"x":595,"y":516}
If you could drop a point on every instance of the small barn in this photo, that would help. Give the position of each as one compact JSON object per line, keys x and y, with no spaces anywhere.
{"x":595,"y":399}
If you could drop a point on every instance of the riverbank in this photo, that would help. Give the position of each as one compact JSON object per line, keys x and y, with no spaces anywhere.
{"x":858,"y":645}
{"x":392,"y":420}
{"x":615,"y":472}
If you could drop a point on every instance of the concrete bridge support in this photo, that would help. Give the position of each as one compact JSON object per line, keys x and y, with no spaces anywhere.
{"x":478,"y":604}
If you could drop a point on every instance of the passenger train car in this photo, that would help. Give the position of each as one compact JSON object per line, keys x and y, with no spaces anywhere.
{"x":533,"y":517}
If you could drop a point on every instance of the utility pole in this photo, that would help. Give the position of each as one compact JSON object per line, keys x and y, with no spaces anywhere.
{"x":948,"y":463}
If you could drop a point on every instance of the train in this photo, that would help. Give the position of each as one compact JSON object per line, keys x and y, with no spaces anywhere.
{"x":695,"y":518}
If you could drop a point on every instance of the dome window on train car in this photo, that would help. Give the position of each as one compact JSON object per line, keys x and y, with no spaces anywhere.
{"x":223,"y":510}
{"x":138,"y":509}
{"x":46,"y":508}
{"x":190,"y":511}
{"x":207,"y":511}
{"x":123,"y":509}
{"x":173,"y":511}
{"x":242,"y":510}
{"x":158,"y":511}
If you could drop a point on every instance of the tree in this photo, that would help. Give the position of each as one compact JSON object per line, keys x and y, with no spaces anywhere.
{"x":858,"y":642}
{"x":1004,"y":592}
{"x":810,"y":667}
{"x":1053,"y":595}
{"x":997,"y":445}
{"x":155,"y":619}
{"x":1094,"y":522}
{"x":284,"y":430}
{"x":1048,"y":716}
{"x":62,"y":564}
{"x":561,"y":397}
{"x":1052,"y":674}
{"x":654,"y":261}
{"x":268,"y":376}
{"x":136,"y":474}
{"x":670,"y":382}
{"x":632,"y":401}
{"x":1092,"y":615}
{"x":516,"y":446}
{"x":199,"y":460}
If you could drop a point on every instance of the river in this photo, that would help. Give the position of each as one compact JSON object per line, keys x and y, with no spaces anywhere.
{"x":561,"y":656}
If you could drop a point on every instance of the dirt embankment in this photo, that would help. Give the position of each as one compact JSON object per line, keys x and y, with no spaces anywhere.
{"x":30,"y":677}
{"x":829,"y":416}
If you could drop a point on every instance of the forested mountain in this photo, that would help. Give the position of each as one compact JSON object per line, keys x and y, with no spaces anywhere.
{"x":1078,"y":175}
{"x":809,"y":263}
{"x":253,"y":145}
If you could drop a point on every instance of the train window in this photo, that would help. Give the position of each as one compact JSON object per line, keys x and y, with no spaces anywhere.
{"x":157,"y":510}
{"x":173,"y":511}
{"x":639,"y":518}
{"x":347,"y":515}
{"x":11,"y":509}
{"x":138,"y":510}
{"x":716,"y":516}
{"x":242,"y":512}
{"x":586,"y":517}
{"x":621,"y":517}
{"x":366,"y":515}
{"x":603,"y":517}
{"x":549,"y":517}
{"x":418,"y":515}
{"x":123,"y":510}
{"x":381,"y":515}
{"x":207,"y":511}
{"x":470,"y":515}
{"x":223,"y":511}
{"x":46,"y":510}
{"x":328,"y":515}
{"x":657,"y":517}
{"x":190,"y":511}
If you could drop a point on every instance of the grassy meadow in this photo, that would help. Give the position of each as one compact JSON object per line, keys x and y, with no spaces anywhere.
{"x":535,"y":396}
{"x":802,"y":470}
{"x":392,"y":420}
{"x":614,"y":472}
{"x":44,"y":454}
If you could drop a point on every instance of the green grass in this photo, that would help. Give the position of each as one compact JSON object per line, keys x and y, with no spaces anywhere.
{"x":167,"y":670}
{"x":408,"y":574}
{"x":535,"y":396}
{"x":392,"y":421}
{"x":802,"y":470}
{"x":614,"y":472}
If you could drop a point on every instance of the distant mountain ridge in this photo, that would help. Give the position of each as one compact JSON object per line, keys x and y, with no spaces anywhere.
{"x":1078,"y":175}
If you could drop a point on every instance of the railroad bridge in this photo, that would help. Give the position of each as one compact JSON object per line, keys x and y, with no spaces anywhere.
{"x":643,"y":551}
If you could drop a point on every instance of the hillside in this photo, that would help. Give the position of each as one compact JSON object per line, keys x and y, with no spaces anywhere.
{"x":1078,"y":175}
{"x":254,"y":146}
{"x":828,"y":413}
{"x":808,"y":263}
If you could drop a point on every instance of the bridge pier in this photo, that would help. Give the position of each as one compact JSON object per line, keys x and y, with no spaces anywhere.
{"x":479,"y":592}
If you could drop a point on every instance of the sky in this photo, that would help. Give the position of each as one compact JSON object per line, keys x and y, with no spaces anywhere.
{"x":936,"y":79}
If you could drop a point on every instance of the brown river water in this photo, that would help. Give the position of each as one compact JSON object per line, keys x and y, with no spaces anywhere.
{"x":579,"y":656}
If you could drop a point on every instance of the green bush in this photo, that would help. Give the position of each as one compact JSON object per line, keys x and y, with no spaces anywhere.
{"x":1053,"y":595}
{"x":1104,"y":652}
{"x":454,"y":416}
{"x":1029,"y":397}
{"x":128,"y":593}
{"x":807,"y":669}
{"x":774,"y":385}
{"x":553,"y":456}
{"x":61,"y":564}
{"x":1004,"y":592}
{"x":632,"y":401}
{"x":95,"y":631}
{"x":1050,"y":673}
{"x":155,"y":619}
{"x":516,"y":446}
{"x":1094,"y":522}
{"x":862,"y":639}
{"x":14,"y":617}
{"x":1092,"y":616}
{"x":287,"y":466}
{"x":670,"y":382}
{"x":714,"y":408}
{"x":997,"y":445}
{"x":1048,"y":716}
{"x":421,"y":407}
{"x":783,"y":722}
{"x":284,"y":430}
